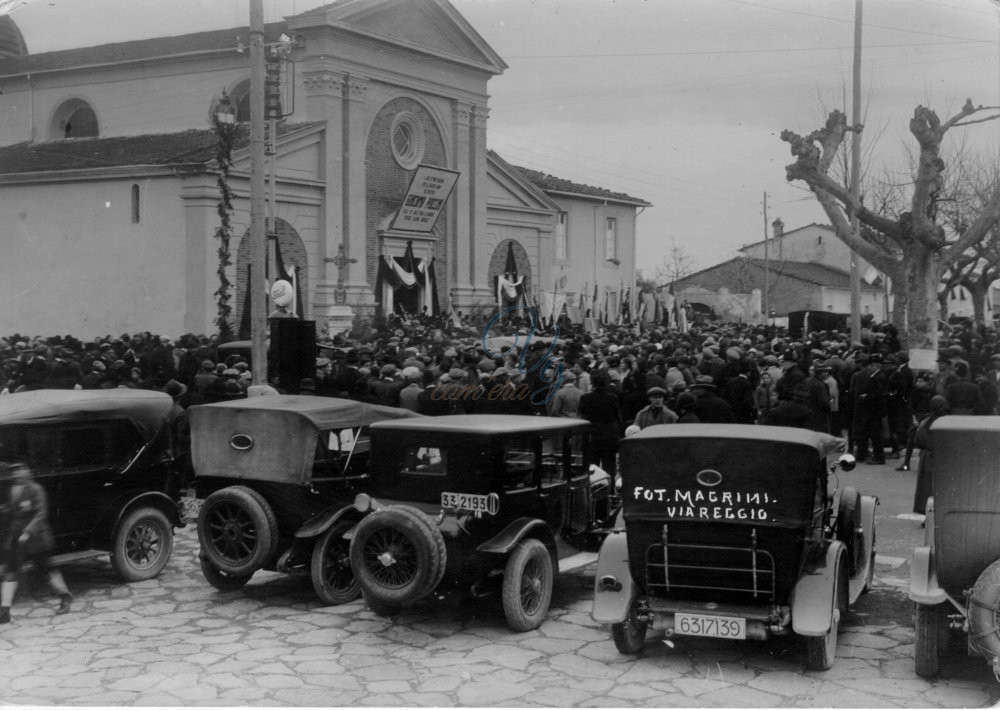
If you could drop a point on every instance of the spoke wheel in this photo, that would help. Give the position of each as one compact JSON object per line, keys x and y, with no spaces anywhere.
{"x":143,"y":544}
{"x":527,"y":585}
{"x":397,"y":555}
{"x":237,"y":530}
{"x":331,"y":572}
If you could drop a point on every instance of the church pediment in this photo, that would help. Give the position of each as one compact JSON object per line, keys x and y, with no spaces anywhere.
{"x":432,"y":26}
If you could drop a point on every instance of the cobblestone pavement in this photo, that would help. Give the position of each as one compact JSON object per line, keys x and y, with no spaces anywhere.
{"x":177,"y":641}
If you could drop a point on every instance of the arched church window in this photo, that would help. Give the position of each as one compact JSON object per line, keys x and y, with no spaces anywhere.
{"x":74,"y":119}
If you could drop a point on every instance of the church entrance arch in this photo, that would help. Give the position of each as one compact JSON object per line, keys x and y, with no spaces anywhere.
{"x":509,"y":275}
{"x":285,"y":258}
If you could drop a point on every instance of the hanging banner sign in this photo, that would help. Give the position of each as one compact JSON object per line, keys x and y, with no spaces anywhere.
{"x":425,"y":198}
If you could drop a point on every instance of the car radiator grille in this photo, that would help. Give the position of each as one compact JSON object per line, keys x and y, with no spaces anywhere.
{"x":675,"y":568}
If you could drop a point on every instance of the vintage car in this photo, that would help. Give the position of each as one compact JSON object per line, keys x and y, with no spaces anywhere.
{"x":955,"y":574}
{"x":273,"y":473}
{"x":113,"y":465}
{"x":732,"y":531}
{"x":477,"y":504}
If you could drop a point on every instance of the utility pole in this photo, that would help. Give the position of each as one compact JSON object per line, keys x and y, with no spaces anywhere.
{"x":767,"y":264}
{"x":257,"y":281}
{"x":855,"y":186}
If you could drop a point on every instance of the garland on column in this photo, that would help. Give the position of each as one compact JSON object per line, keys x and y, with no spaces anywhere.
{"x":225,"y":133}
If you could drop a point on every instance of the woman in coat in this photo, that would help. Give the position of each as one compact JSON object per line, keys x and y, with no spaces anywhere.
{"x":26,"y":536}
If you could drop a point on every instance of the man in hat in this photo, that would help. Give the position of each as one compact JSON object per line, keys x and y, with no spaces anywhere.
{"x":656,"y":412}
{"x":600,"y":407}
{"x":27,"y":536}
{"x":566,"y":401}
{"x":387,"y":387}
{"x":868,"y":392}
{"x":408,"y":395}
{"x":709,"y":407}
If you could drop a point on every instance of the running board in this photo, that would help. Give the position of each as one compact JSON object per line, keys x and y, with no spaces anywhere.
{"x":577,"y":561}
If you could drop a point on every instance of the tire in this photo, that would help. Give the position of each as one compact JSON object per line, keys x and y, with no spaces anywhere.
{"x":870,"y":576}
{"x":821,"y":651}
{"x":984,"y":613}
{"x":237,"y":530}
{"x":381,"y":608}
{"x":142,"y":545}
{"x":849,"y":529}
{"x":222,"y":581}
{"x":630,"y":634}
{"x":928,"y":621}
{"x":398,"y":556}
{"x":331,"y":572}
{"x":527,"y":585}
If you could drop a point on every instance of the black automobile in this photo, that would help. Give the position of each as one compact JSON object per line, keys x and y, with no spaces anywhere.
{"x":477,"y":504}
{"x":735,"y":531}
{"x":274,"y":474}
{"x":112,"y":463}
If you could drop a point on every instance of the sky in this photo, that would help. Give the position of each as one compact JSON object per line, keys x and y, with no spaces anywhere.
{"x":680,"y":103}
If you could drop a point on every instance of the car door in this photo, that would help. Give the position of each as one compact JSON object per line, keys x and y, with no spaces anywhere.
{"x":90,"y":458}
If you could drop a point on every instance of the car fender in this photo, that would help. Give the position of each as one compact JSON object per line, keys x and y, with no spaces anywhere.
{"x":323,"y":521}
{"x":812,"y":598}
{"x":116,"y":512}
{"x":924,"y":588}
{"x":505,"y":540}
{"x":614,"y":588}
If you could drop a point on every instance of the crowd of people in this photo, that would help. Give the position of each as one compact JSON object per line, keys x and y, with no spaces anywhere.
{"x":621,"y":377}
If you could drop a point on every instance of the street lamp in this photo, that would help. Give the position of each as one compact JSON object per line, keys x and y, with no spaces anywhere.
{"x":225,"y":114}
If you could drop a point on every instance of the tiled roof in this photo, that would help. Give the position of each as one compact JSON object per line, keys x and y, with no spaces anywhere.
{"x":193,"y":147}
{"x":135,"y":50}
{"x":723,"y":275}
{"x":556,"y":184}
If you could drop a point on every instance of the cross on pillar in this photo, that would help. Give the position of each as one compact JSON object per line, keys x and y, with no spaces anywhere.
{"x":341,"y":261}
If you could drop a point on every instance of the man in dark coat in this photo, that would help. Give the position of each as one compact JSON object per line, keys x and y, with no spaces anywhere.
{"x":27,"y":535}
{"x":709,"y":407}
{"x":868,"y":393}
{"x":600,"y":408}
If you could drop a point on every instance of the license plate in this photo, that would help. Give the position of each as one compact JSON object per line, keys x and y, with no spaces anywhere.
{"x":720,"y":627}
{"x":471,"y":502}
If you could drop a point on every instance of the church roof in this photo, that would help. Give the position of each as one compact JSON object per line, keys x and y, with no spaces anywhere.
{"x":551,"y":183}
{"x":192,"y":148}
{"x":136,"y":50}
{"x":11,"y":40}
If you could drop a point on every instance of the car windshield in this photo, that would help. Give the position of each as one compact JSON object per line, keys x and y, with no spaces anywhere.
{"x":342,"y":452}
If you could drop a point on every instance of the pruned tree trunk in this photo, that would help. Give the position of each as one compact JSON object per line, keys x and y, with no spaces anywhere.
{"x":912,"y":250}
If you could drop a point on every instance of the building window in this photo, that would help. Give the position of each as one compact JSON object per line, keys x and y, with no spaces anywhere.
{"x":135,"y":204}
{"x":74,"y":119}
{"x":561,"y":235}
{"x":611,"y":240}
{"x":407,"y":140}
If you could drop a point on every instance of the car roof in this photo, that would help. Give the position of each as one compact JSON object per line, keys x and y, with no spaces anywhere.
{"x":148,"y":408}
{"x":966,"y":422}
{"x":323,"y":412}
{"x":823,"y":443}
{"x":485,"y":424}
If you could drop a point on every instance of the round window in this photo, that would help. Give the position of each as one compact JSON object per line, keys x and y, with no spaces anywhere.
{"x":407,"y":137}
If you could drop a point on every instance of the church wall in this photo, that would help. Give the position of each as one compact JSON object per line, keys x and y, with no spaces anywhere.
{"x":88,"y":270}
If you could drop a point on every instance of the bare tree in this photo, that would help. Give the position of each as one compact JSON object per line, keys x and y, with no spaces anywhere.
{"x":912,"y":248}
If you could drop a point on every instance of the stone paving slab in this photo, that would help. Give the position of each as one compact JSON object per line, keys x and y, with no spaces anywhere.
{"x":176,"y":641}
